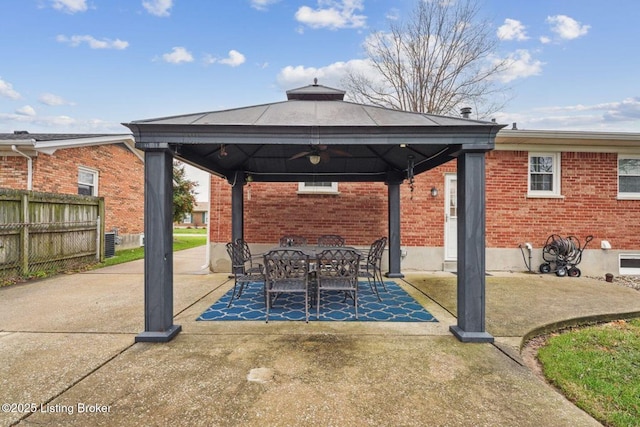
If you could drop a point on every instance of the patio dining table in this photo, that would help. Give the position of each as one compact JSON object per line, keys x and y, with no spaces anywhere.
{"x":313,"y":250}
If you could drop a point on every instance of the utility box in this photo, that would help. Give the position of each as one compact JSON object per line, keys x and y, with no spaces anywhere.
{"x":109,"y":245}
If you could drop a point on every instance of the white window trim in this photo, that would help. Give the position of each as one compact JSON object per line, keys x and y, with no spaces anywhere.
{"x":625,"y":196}
{"x":304,"y":189}
{"x":556,"y":192}
{"x":93,"y":172}
{"x":628,"y":270}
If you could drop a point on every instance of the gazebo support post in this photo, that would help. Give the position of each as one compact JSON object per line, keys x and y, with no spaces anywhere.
{"x":471,"y":249}
{"x":393,"y":189}
{"x":237,"y":207}
{"x":158,"y":260}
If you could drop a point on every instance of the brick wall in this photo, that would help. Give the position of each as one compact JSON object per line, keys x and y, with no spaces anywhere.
{"x":358,"y":212}
{"x":589,"y":185}
{"x":276,"y":209}
{"x":120,"y":182}
{"x":13,"y":172}
{"x":588,"y":206}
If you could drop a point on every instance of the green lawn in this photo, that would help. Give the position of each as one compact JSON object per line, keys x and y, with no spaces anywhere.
{"x":198,"y":231}
{"x":598,"y":368}
{"x":179,"y":243}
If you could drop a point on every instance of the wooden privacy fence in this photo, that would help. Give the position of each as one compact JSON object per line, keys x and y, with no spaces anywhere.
{"x":44,"y":233}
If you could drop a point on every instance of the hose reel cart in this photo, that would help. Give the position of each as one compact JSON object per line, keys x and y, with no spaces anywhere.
{"x":562,"y":255}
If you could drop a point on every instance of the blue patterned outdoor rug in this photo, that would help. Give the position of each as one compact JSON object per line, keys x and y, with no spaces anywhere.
{"x":396,"y":306}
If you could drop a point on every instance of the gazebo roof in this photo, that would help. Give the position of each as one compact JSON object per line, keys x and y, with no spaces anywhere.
{"x":275,"y":142}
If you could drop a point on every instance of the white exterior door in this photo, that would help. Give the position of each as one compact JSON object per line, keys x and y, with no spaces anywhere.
{"x":451,"y":218}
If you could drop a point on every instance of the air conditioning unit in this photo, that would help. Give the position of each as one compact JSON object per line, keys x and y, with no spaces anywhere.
{"x":109,"y":245}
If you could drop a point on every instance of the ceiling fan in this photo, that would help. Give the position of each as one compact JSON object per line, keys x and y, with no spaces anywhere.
{"x":320,"y":153}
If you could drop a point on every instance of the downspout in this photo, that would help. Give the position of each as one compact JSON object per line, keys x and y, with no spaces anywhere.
{"x":207,"y":261}
{"x":29,"y":167}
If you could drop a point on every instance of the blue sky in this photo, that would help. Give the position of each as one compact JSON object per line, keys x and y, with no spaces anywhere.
{"x":89,"y":65}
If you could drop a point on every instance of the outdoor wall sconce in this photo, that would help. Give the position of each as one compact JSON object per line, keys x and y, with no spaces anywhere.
{"x":249,"y":180}
{"x":434,"y":192}
{"x":314,"y":159}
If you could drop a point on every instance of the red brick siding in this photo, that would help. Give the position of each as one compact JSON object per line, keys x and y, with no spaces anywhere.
{"x":120,"y":182}
{"x":276,"y":209}
{"x":359,"y":212}
{"x":588,"y":206}
{"x":589,"y":186}
{"x":13,"y":172}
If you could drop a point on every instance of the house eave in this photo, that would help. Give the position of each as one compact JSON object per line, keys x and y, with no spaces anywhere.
{"x":34,"y":145}
{"x":565,"y":140}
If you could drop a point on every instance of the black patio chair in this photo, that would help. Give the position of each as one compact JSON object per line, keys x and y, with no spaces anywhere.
{"x":337,"y":270}
{"x":371,"y":267}
{"x":293,"y":240}
{"x":286,"y":271}
{"x":330,"y":240}
{"x":243,"y":269}
{"x":250,"y":264}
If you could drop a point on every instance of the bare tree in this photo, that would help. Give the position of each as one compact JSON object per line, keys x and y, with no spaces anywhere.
{"x":441,"y":59}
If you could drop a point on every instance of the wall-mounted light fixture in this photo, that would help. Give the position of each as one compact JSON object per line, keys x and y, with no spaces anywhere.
{"x":314,"y":159}
{"x":434,"y":192}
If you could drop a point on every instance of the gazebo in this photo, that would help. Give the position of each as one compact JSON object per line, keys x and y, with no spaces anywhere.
{"x":291,"y":141}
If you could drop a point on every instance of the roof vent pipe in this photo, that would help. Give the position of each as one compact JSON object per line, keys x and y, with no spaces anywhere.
{"x":466,"y":112}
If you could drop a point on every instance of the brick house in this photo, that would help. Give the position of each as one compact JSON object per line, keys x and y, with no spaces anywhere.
{"x":105,"y":165}
{"x":538,"y":183}
{"x":198,"y":217}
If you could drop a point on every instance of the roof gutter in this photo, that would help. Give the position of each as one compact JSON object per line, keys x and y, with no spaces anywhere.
{"x":14,"y":148}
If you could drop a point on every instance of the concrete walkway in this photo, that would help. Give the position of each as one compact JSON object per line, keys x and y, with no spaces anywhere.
{"x":68,"y":357}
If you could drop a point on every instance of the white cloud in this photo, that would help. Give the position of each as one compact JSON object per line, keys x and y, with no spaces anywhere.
{"x":627,"y":110}
{"x":6,"y":90}
{"x":619,"y":111}
{"x":92,"y":42}
{"x":333,"y":14}
{"x":545,"y":40}
{"x":331,"y":75}
{"x":27,"y":110}
{"x":567,"y":28}
{"x":158,"y":7}
{"x":66,"y":124}
{"x":178,"y":55}
{"x":616,"y":116}
{"x":53,"y":100}
{"x":393,"y":14}
{"x":262,"y":4}
{"x":519,"y":64}
{"x":70,"y":6}
{"x":512,"y":30}
{"x":234,"y":59}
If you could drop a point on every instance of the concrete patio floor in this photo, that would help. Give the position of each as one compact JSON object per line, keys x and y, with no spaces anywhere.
{"x":67,"y":350}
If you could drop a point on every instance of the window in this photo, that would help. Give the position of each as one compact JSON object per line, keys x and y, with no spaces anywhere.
{"x":87,"y":182}
{"x":629,"y":177}
{"x":630,"y":264}
{"x":544,"y":174}
{"x":318,"y":187}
